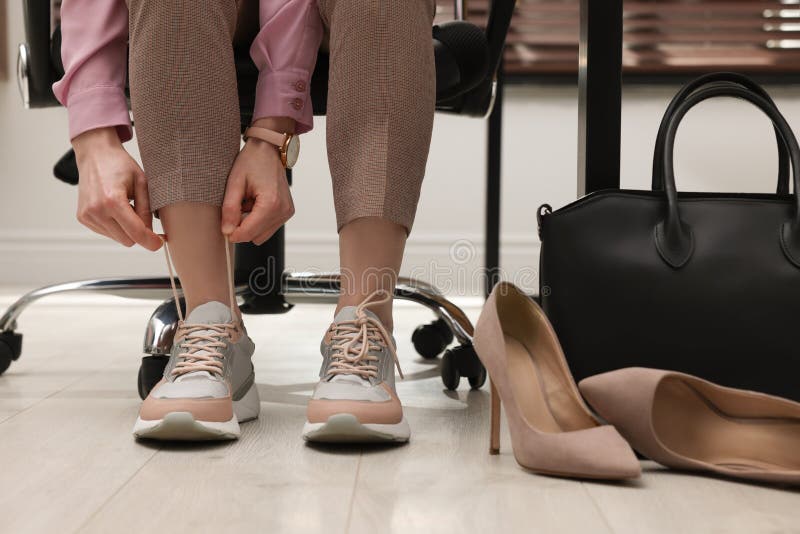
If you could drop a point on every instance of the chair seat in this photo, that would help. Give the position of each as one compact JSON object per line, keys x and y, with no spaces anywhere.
{"x":461,"y":54}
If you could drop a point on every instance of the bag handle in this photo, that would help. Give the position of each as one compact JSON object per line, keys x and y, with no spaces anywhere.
{"x":673,"y":237}
{"x":707,"y":80}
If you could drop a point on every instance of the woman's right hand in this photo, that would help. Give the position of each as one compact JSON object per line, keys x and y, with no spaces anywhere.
{"x":109,"y":180}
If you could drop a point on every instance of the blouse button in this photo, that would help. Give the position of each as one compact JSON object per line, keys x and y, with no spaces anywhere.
{"x":297,"y":103}
{"x":300,"y":85}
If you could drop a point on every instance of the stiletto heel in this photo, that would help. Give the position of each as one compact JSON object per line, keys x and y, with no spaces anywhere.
{"x":552,"y":430}
{"x":494,"y":438}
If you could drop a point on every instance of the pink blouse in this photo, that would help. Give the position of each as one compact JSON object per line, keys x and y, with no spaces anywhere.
{"x":94,"y":52}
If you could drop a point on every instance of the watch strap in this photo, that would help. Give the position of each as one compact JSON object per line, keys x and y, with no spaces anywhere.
{"x":270,"y":136}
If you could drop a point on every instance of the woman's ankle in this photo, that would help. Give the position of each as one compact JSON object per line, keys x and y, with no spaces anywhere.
{"x":191,"y":305}
{"x":383,"y":312}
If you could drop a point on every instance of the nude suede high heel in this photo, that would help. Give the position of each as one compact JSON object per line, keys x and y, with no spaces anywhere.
{"x":689,"y":423}
{"x":552,"y":430}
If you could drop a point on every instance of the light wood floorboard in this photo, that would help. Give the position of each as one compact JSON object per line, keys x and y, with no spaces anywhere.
{"x":671,"y":501}
{"x":66,"y":407}
{"x":68,"y":462}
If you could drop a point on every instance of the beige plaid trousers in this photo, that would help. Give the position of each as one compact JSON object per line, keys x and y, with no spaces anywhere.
{"x":381,"y":99}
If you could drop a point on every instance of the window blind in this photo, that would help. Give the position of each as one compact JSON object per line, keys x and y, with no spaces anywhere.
{"x":660,"y":37}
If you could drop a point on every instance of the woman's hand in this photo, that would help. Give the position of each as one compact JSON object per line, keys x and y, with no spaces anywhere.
{"x":257,"y":198}
{"x":109,"y":180}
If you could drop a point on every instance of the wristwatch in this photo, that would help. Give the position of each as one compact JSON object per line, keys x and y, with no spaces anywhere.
{"x":288,"y":144}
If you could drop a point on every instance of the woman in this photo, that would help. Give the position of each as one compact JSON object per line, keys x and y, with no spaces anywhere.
{"x":183,"y":94}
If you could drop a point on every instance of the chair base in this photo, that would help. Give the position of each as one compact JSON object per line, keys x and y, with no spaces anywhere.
{"x":296,"y":288}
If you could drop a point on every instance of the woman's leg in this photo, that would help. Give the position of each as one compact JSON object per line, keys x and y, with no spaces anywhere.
{"x":381,"y":100}
{"x":370,"y":253}
{"x":198,"y":252}
{"x":186,"y":111}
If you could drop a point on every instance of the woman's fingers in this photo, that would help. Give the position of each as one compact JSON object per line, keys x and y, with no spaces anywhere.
{"x":110,"y":178}
{"x":96,"y":220}
{"x":114,"y":231}
{"x":282,"y":214}
{"x":247,"y":206}
{"x":232,"y":204}
{"x":90,"y":223}
{"x":251,"y":225}
{"x":131,"y":223}
{"x":141,"y":200}
{"x":262,"y":238}
{"x":269,"y":212}
{"x":116,"y":218}
{"x":257,"y":198}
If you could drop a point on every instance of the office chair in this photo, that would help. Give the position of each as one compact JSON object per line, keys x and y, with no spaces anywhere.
{"x":467,"y":60}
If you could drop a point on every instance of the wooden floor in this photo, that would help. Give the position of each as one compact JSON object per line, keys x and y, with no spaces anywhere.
{"x":68,"y":462}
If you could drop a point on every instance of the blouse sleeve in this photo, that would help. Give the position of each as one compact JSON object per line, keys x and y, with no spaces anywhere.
{"x":94,"y":52}
{"x":285,"y":51}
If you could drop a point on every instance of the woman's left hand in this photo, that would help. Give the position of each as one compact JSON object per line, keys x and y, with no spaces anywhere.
{"x":257,"y":198}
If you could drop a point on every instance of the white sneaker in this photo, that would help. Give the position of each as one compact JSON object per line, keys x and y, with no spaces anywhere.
{"x":208,"y":386}
{"x":355,"y":400}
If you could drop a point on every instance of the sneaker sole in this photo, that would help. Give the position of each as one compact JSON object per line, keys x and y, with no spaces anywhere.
{"x":182,"y":426}
{"x":345,"y":428}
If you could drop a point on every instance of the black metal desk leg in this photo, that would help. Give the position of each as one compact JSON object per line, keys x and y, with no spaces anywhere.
{"x":599,"y":96}
{"x":494,"y":152}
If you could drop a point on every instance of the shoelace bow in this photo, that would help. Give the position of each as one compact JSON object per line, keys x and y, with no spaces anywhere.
{"x":357,"y":337}
{"x":200,"y":341}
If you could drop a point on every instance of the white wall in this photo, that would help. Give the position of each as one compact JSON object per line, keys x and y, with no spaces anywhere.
{"x":724,"y":146}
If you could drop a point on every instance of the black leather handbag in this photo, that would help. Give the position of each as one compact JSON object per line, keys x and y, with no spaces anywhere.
{"x":704,"y":283}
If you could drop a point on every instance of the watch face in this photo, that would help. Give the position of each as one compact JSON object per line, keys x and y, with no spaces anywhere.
{"x":292,"y":151}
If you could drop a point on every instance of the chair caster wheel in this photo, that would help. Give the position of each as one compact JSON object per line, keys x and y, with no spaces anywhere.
{"x":462,"y":361}
{"x":5,"y":357}
{"x":150,"y":372}
{"x":431,"y":339}
{"x":451,"y":376}
{"x":10,"y":349}
{"x":477,"y":382}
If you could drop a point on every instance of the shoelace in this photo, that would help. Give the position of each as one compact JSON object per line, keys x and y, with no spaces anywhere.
{"x":357,"y":338}
{"x":201,"y":338}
